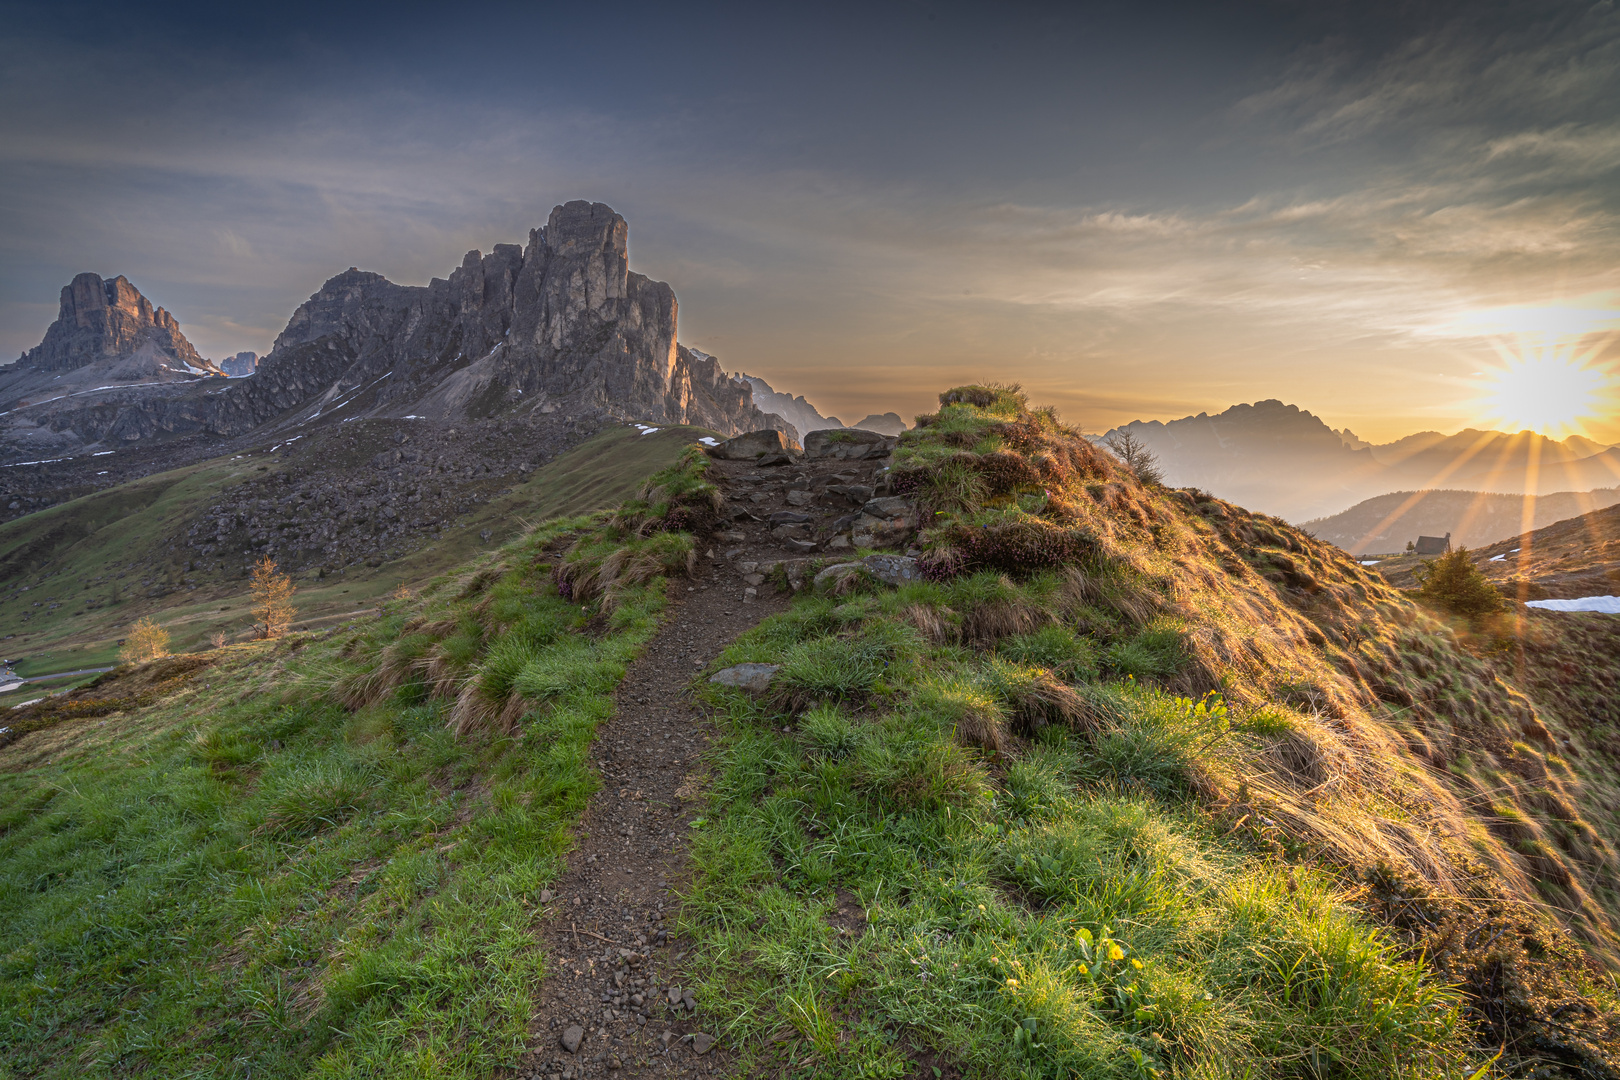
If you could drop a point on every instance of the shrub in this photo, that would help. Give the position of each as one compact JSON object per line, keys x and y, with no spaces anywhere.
{"x":1453,"y":583}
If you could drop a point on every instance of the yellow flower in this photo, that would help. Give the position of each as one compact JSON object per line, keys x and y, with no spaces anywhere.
{"x":1013,"y":983}
{"x":1115,"y":952}
{"x":1082,"y":969}
{"x":981,"y":907}
{"x":1135,"y":963}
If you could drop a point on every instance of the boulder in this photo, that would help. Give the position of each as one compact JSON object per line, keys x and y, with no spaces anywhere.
{"x":884,"y":522}
{"x":833,"y":576}
{"x":849,"y":444}
{"x":857,"y":494}
{"x":893,"y":569}
{"x":750,"y":446}
{"x":754,"y":678}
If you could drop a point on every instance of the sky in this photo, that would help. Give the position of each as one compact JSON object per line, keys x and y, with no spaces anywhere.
{"x":1135,"y":210}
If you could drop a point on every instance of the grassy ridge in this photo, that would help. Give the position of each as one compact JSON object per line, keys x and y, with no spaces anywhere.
{"x":321,"y":857}
{"x":1119,"y":712}
{"x":1064,"y":910}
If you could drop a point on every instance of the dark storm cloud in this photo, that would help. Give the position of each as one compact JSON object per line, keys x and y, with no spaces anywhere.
{"x":1236,"y":200}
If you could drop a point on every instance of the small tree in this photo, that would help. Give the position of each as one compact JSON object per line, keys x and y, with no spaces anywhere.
{"x":146,"y":641}
{"x":218,"y":639}
{"x":1453,"y":583}
{"x":272,"y":599}
{"x":1136,"y":456}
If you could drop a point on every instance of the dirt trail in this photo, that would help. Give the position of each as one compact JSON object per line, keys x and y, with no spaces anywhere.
{"x":618,"y":981}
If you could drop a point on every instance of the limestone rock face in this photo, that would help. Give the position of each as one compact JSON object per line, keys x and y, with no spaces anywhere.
{"x":102,"y":320}
{"x":243,"y":363}
{"x":559,"y":325}
{"x":562,"y":321}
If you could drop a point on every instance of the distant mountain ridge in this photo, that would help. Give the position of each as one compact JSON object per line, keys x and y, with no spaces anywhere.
{"x":1384,"y":524}
{"x":806,"y":418}
{"x":1286,"y":461}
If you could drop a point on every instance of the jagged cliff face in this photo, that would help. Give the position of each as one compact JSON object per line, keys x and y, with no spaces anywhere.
{"x":562,"y":322}
{"x":104,"y":320}
{"x":559,"y":324}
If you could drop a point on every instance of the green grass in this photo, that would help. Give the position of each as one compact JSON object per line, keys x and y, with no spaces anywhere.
{"x":59,"y":550}
{"x":296,"y":865}
{"x":1068,"y":911}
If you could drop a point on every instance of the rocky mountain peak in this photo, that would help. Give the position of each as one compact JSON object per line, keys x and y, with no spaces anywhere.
{"x":102,"y":320}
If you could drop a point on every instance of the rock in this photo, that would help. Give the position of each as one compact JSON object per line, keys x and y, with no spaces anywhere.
{"x":856,"y":494}
{"x":546,"y":896}
{"x":800,"y":498}
{"x":572,"y":1036}
{"x":754,"y":579}
{"x":832,"y":576}
{"x":690,"y":1000}
{"x":888,"y":506}
{"x":883,"y":522}
{"x":845,"y":444}
{"x":776,"y":459}
{"x":803,"y":546}
{"x":754,"y":678}
{"x":750,"y":446}
{"x":788,"y":517}
{"x":702,"y":1043}
{"x":674,"y":995}
{"x":613,"y":1063}
{"x":893,"y":569}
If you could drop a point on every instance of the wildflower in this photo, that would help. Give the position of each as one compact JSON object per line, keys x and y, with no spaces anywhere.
{"x":1115,"y":952}
{"x":1082,"y":969}
{"x":1013,"y":983}
{"x":1135,"y":963}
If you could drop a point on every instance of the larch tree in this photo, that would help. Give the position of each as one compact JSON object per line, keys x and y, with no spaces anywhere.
{"x":272,"y":599}
{"x":146,"y":641}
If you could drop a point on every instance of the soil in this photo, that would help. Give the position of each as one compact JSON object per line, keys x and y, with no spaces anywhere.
{"x":618,"y":974}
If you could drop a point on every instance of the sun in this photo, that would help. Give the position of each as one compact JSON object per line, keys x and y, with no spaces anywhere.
{"x":1549,"y":391}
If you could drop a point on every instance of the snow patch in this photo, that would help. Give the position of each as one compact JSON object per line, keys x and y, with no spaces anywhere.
{"x":103,"y":453}
{"x":1498,"y":558}
{"x":1371,"y":562}
{"x":709,"y":440}
{"x":1606,"y":605}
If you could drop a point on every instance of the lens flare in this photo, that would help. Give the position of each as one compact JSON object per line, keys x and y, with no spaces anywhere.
{"x":1549,"y":391}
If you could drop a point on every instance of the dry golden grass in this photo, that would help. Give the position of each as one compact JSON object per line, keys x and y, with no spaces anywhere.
{"x":1402,"y":729}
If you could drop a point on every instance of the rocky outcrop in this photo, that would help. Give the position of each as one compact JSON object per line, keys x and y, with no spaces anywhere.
{"x":561,"y":324}
{"x":105,"y":320}
{"x":243,"y":363}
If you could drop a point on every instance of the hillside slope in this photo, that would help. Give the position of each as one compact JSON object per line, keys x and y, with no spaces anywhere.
{"x":350,"y":532}
{"x":1103,"y":780}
